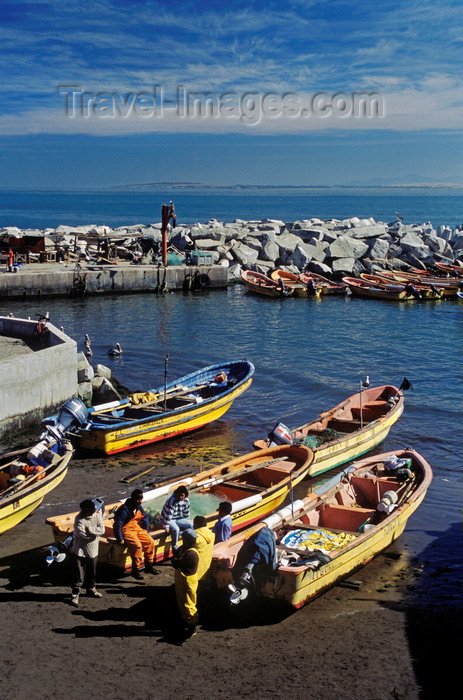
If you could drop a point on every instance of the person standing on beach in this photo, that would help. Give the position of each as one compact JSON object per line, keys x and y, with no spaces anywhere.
{"x":131,"y":527}
{"x":185,"y":562}
{"x":204,"y":545}
{"x":88,"y":527}
{"x":223,"y":527}
{"x":175,"y":514}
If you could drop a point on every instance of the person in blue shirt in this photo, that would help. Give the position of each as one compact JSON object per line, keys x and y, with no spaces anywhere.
{"x":223,"y":527}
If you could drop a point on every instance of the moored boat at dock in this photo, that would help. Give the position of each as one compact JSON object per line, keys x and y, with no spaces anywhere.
{"x":391,"y":292}
{"x":258,"y":283}
{"x":181,"y":406}
{"x":293,"y":282}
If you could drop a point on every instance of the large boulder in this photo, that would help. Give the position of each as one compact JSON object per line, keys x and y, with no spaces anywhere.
{"x":270,"y":250}
{"x":245,"y":255}
{"x":346,"y":247}
{"x":234,"y":272}
{"x":370,"y":231}
{"x":347,"y":266}
{"x":287,"y":243}
{"x":304,"y":253}
{"x":103,"y":391}
{"x":412,"y":243}
{"x":320,"y":269}
{"x":378,"y":248}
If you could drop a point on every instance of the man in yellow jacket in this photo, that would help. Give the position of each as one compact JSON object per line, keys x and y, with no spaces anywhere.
{"x":185,"y":562}
{"x":204,"y":545}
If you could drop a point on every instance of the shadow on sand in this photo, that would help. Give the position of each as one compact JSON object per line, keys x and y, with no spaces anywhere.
{"x":432,"y":605}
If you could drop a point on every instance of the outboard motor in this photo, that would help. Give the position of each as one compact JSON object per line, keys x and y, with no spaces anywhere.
{"x":311,"y":288}
{"x":72,"y":414}
{"x":280,"y":435}
{"x":411,"y":289}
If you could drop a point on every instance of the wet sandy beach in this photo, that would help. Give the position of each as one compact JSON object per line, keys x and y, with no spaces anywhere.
{"x":393,"y":637}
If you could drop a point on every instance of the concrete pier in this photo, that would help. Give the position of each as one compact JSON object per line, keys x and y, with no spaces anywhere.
{"x":35,"y":383}
{"x":52,"y":279}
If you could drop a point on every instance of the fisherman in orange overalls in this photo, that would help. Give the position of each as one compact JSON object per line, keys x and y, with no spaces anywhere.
{"x":131,"y":526}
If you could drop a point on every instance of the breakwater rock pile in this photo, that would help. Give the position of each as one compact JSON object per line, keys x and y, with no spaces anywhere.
{"x":333,"y":248}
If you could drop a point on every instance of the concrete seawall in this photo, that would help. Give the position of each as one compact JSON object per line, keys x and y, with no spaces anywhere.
{"x":52,"y":280}
{"x":35,"y":384}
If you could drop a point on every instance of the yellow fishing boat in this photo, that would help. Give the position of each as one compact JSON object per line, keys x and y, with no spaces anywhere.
{"x":27,"y":476}
{"x":181,"y":406}
{"x":330,"y":536}
{"x":348,"y":430}
{"x":255,"y":484}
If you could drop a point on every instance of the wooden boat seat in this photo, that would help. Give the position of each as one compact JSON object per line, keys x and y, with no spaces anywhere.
{"x":246,"y":487}
{"x":374,"y":489}
{"x":345,"y":518}
{"x":282,"y":467}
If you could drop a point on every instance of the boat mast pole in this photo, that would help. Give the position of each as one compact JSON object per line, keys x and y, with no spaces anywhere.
{"x":167,"y":213}
{"x":363,"y":385}
{"x":165,"y":381}
{"x":361,"y":412}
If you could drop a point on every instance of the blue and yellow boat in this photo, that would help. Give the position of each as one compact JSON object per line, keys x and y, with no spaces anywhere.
{"x":181,"y":406}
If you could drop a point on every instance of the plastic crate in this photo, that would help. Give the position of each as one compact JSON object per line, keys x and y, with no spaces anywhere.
{"x":200,"y":258}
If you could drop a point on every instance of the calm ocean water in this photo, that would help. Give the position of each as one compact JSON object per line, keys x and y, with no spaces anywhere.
{"x":308,"y":354}
{"x":42,"y":209}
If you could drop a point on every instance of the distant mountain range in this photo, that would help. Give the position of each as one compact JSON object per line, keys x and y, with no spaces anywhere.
{"x":404,"y":181}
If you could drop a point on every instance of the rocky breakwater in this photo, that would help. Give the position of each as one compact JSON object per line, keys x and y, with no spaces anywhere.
{"x":331,"y":248}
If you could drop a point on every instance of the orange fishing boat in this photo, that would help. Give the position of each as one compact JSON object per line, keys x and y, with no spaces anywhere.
{"x":258,"y":283}
{"x":293,"y":282}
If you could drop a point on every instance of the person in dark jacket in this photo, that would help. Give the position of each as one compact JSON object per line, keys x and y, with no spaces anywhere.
{"x":131,"y":527}
{"x":256,"y":558}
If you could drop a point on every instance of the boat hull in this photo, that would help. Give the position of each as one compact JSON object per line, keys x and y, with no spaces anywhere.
{"x":293,"y":283}
{"x":125,"y":435}
{"x":289,"y":464}
{"x":363,"y":436}
{"x":258,"y":283}
{"x":298,"y":590}
{"x":391,"y":292}
{"x":24,"y":501}
{"x":342,"y":511}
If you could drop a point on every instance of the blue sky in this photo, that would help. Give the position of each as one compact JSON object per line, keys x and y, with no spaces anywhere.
{"x":256,"y":93}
